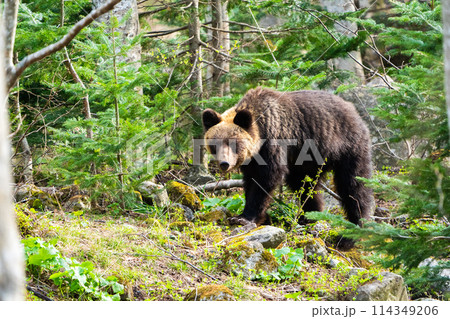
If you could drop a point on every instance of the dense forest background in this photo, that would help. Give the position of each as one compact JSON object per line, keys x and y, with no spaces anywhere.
{"x":121,"y":104}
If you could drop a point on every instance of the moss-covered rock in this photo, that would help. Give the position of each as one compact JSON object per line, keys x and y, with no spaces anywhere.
{"x":179,"y":212}
{"x":210,"y":293}
{"x":77,"y":202}
{"x":36,"y":198}
{"x":391,"y":287}
{"x":25,"y":220}
{"x":357,"y":258}
{"x":315,"y":249}
{"x":217,"y":215}
{"x":268,"y":236}
{"x":184,"y":195}
{"x":215,"y":235}
{"x":248,"y":258}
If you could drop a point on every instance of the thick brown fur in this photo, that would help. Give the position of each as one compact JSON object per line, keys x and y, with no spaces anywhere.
{"x":334,"y":126}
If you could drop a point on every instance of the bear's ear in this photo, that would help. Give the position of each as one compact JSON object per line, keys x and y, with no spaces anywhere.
{"x":243,"y":119}
{"x":210,"y":118}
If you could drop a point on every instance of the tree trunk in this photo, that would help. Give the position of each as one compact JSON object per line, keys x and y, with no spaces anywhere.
{"x":11,"y":255}
{"x":446,"y":31}
{"x":195,"y":51}
{"x":220,"y":42}
{"x":24,"y":159}
{"x":347,"y":64}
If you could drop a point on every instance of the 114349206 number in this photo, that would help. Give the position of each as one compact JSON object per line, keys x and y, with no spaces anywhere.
{"x":380,"y":310}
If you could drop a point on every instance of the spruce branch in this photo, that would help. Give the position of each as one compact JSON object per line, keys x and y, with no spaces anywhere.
{"x":15,"y":72}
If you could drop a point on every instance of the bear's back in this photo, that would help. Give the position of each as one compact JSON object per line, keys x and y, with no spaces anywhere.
{"x":321,"y":116}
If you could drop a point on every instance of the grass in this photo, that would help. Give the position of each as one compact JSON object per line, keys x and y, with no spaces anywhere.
{"x":136,"y":250}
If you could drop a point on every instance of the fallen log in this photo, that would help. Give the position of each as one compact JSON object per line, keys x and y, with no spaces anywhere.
{"x":215,"y":186}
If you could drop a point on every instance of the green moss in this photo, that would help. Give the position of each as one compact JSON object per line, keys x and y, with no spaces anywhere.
{"x":308,"y":241}
{"x":216,"y":215}
{"x":180,"y":225}
{"x":24,"y":220}
{"x":357,"y":258}
{"x":184,"y":195}
{"x":268,"y":260}
{"x":243,"y":237}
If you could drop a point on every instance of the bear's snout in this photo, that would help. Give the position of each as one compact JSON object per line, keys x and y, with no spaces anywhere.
{"x":224,"y":166}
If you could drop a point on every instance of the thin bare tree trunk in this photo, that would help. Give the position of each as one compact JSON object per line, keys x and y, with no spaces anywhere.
{"x":195,"y":51}
{"x":25,"y":163}
{"x":446,"y":31}
{"x":221,"y":43}
{"x":11,"y":255}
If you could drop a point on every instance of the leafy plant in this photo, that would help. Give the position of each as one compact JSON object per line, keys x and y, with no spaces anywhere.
{"x":76,"y":279}
{"x":290,"y":265}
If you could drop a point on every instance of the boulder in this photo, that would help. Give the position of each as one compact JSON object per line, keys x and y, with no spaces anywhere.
{"x":177,"y":212}
{"x":37,"y":198}
{"x":155,"y":193}
{"x":183,"y":194}
{"x":443,"y":285}
{"x":248,"y":258}
{"x":198,"y":175}
{"x":210,"y":293}
{"x":216,"y":215}
{"x":267,"y":236}
{"x":390,"y":288}
{"x":314,"y":248}
{"x":77,"y":202}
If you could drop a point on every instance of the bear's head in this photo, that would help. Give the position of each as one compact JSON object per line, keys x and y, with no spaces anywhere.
{"x":231,"y":137}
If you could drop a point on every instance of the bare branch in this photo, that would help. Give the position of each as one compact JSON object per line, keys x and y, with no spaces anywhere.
{"x":253,"y":31}
{"x":153,"y":34}
{"x":15,"y":73}
{"x":161,"y":8}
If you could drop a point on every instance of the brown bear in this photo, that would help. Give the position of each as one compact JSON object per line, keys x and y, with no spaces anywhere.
{"x":285,"y":136}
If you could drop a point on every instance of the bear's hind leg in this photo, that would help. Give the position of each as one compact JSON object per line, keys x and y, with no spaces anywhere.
{"x":356,"y":198}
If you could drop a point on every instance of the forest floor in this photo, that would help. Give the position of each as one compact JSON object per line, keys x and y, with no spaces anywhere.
{"x":159,"y":259}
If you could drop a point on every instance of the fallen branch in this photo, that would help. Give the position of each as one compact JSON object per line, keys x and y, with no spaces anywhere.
{"x":219,"y":185}
{"x":215,"y":186}
{"x":38,"y":294}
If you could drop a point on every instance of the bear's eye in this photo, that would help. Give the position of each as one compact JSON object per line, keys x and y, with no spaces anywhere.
{"x":212,"y":149}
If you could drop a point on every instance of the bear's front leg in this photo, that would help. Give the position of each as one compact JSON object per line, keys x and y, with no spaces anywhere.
{"x":258,"y":189}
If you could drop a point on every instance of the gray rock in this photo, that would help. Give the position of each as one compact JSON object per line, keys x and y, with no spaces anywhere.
{"x":390,"y":288}
{"x":267,"y":236}
{"x":334,"y":263}
{"x":187,"y":212}
{"x":77,"y":202}
{"x":355,"y":271}
{"x":248,"y":258}
{"x":442,"y":286}
{"x":198,"y":175}
{"x":154,"y":192}
{"x":315,"y":250}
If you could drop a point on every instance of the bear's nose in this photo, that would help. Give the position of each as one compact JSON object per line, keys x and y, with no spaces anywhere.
{"x":224,"y":166}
